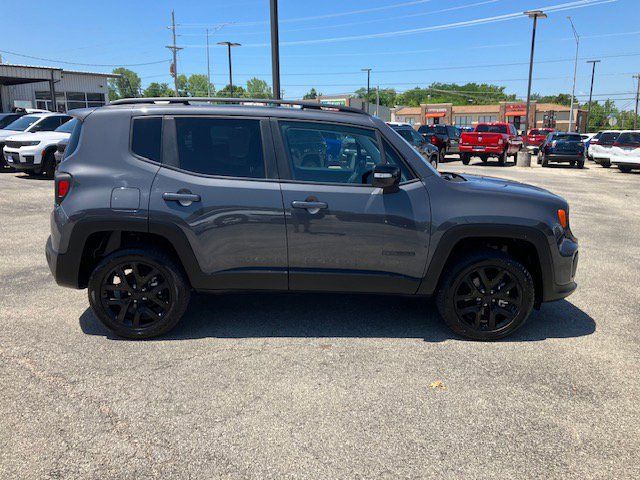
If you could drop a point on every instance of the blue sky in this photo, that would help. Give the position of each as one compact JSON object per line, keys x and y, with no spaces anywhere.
{"x":326,"y":43}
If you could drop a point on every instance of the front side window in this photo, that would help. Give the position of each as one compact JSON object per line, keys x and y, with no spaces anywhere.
{"x":146,"y":138}
{"x":324,"y":153}
{"x":220,"y":146}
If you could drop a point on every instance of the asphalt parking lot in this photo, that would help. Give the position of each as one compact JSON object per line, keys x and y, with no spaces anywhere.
{"x":324,"y":387}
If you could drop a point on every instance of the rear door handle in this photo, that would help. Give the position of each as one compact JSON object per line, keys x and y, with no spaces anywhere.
{"x":183,"y":198}
{"x":312,"y":207}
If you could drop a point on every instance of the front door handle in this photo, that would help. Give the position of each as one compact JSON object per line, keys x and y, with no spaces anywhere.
{"x":183,"y":198}
{"x":311,"y":206}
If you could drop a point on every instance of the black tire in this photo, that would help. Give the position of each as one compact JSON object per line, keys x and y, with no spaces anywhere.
{"x":441,"y":155}
{"x":433,"y":160}
{"x":545,"y":161}
{"x":30,"y":173}
{"x":572,"y":163}
{"x":624,"y":168}
{"x":580,"y":163}
{"x":514,"y":295}
{"x":169,"y":302}
{"x":605,"y":163}
{"x":502,"y":159}
{"x":539,"y":159}
{"x":48,"y":169}
{"x":466,"y":158}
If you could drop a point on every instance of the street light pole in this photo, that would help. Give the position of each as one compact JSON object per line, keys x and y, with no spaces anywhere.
{"x":593,"y":74}
{"x":275,"y":50}
{"x":229,"y":45}
{"x":572,"y":123}
{"x":535,"y":14}
{"x":208,"y":67}
{"x":368,"y":70}
{"x":635,"y":117}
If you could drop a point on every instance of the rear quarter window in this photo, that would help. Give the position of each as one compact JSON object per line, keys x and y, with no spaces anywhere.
{"x":146,"y":138}
{"x":74,"y":139}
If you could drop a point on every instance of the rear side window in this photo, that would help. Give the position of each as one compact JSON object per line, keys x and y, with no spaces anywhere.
{"x":629,"y":138}
{"x":74,"y":139}
{"x":220,"y":146}
{"x":146,"y":138}
{"x":608,"y":138}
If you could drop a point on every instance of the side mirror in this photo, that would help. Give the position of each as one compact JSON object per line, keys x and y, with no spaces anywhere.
{"x":386,"y":176}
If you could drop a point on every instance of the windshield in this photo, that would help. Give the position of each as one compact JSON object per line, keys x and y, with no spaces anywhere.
{"x":492,"y":128}
{"x":536,"y":131}
{"x":68,"y":126}
{"x":7,"y":118}
{"x":21,"y":124}
{"x":431,"y":129}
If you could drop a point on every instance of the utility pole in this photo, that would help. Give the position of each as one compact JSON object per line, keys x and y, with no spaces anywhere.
{"x":575,"y":71}
{"x":368,"y":70}
{"x":535,"y":14}
{"x":229,"y":45}
{"x":635,"y":117}
{"x":174,"y":49}
{"x":208,"y":67}
{"x":377,"y":100}
{"x":275,"y":50}
{"x":593,"y":73}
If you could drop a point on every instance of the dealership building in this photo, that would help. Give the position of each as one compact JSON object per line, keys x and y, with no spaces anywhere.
{"x":540,"y":114}
{"x":51,"y":88}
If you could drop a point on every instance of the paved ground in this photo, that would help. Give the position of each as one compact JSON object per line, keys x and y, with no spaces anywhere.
{"x":326,"y":387}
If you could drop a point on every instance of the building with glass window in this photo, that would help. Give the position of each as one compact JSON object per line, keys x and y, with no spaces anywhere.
{"x":51,"y":88}
{"x":545,"y":115}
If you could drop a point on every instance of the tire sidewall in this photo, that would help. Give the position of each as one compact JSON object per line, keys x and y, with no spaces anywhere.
{"x":447,"y":293}
{"x":179,"y":292}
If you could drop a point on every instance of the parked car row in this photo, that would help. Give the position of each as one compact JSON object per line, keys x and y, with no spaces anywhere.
{"x":616,"y":147}
{"x":29,"y":141}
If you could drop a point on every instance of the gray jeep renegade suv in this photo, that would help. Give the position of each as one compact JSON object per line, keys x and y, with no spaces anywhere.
{"x":155,"y":198}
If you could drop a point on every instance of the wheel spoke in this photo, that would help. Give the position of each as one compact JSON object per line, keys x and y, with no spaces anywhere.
{"x":161,"y":303}
{"x":136,"y":316}
{"x":492,"y":320}
{"x":508,"y":314}
{"x":471,"y":309}
{"x":484,"y":280}
{"x":478,"y":318}
{"x":123,"y":310}
{"x":498,"y":279}
{"x":124,"y":282}
{"x":147,"y":278}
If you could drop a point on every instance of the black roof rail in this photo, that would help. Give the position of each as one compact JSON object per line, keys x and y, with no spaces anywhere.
{"x":214,"y":100}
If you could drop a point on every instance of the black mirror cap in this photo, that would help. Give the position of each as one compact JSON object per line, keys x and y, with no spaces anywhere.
{"x":386,"y":176}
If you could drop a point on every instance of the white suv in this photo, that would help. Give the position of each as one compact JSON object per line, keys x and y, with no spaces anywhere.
{"x":600,"y":151}
{"x":625,"y":152}
{"x":34,"y":151}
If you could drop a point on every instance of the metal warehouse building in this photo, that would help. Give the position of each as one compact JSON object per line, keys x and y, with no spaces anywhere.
{"x":51,"y":88}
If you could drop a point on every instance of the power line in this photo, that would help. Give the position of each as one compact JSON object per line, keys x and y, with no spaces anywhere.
{"x":83,"y":64}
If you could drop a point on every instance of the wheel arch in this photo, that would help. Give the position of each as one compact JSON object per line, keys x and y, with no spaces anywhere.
{"x":527,"y":244}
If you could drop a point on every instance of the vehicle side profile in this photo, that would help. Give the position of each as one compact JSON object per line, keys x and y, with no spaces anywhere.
{"x":156,"y":198}
{"x":429,"y":151}
{"x":625,"y":152}
{"x":600,"y":149}
{"x":562,"y":147}
{"x":34,"y":152}
{"x":499,"y":140}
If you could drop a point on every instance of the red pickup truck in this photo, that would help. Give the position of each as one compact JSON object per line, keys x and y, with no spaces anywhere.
{"x":499,"y":140}
{"x":535,"y":138}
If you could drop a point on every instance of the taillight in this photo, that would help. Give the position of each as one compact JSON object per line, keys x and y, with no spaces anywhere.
{"x":62,"y":186}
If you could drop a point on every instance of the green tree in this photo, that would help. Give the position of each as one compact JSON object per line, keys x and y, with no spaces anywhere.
{"x":311,"y":95}
{"x":474,"y":93}
{"x":182,"y":85}
{"x":257,"y":88}
{"x":196,"y":85}
{"x":560,"y":99}
{"x":126,"y":85}
{"x":388,"y":96}
{"x":238,"y":91}
{"x":156,"y":89}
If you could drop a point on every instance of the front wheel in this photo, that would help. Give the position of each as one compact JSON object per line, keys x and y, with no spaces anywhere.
{"x":580,"y":163}
{"x":49,"y":165}
{"x":138,"y":293}
{"x":486,"y":295}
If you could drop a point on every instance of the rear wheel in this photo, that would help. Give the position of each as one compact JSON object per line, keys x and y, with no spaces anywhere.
{"x":580,"y":163}
{"x":624,"y":168}
{"x":486,"y":295}
{"x":545,"y":161}
{"x":433,"y":160}
{"x":48,"y":165}
{"x":502,"y":159}
{"x":466,"y":158}
{"x":138,"y":293}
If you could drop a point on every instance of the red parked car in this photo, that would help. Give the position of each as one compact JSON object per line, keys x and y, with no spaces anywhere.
{"x":536,"y":138}
{"x":499,"y":140}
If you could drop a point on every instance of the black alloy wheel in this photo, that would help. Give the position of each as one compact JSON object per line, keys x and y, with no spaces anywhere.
{"x":135,"y":295}
{"x":138,"y":292}
{"x":488,"y":299}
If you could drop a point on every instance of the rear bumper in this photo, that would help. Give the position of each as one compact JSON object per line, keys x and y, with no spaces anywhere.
{"x":63,"y":267}
{"x":489,"y":149}
{"x":564,"y":157}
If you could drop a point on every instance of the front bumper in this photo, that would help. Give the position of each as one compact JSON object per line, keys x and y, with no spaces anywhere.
{"x":565,"y":265}
{"x":23,"y":158}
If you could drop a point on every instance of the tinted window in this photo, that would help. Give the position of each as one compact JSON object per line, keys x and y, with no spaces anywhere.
{"x":491,"y":128}
{"x":569,"y":137}
{"x":629,"y":138}
{"x":607,"y":138}
{"x":406,"y":134}
{"x":7,"y":118}
{"x":48,"y":124}
{"x":146,"y":138}
{"x":326,"y":153}
{"x":67,"y":127}
{"x":431,"y":129}
{"x":214,"y":146}
{"x":74,"y":139}
{"x":22,"y":123}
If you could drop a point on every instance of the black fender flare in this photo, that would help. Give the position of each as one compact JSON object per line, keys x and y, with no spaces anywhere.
{"x":451,"y":237}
